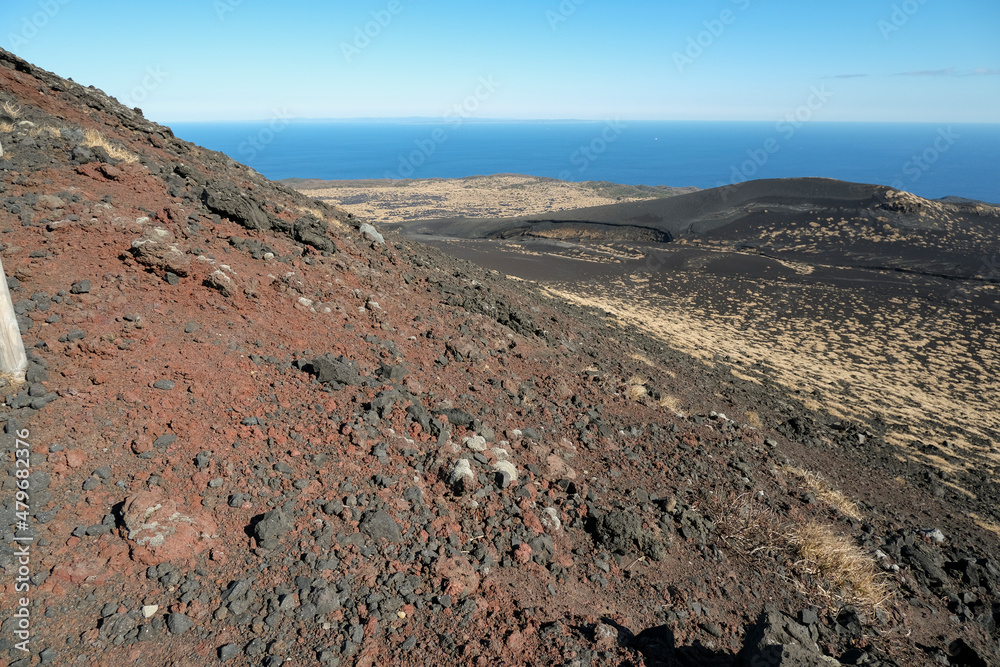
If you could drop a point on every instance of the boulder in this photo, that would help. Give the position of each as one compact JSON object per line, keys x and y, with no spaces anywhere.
{"x":778,"y":639}
{"x":159,"y":530}
{"x":334,"y":371}
{"x":461,"y":479}
{"x":220,"y":282}
{"x":926,"y":562}
{"x":378,"y":525}
{"x":372,"y":234}
{"x":157,"y":249}
{"x":622,"y":532}
{"x":312,"y":231}
{"x":224,"y":198}
{"x":270,"y":527}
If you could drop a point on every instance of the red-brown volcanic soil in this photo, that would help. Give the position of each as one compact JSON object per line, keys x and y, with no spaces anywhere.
{"x":260,"y":435}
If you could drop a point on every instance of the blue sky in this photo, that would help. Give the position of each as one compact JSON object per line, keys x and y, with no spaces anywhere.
{"x":849,"y":60}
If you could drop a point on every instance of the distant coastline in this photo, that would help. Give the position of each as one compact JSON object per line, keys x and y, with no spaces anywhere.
{"x":929,"y":159}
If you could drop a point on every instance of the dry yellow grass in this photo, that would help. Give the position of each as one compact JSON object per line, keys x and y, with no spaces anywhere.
{"x":825,"y":564}
{"x":318,"y":214}
{"x":477,"y":197}
{"x":52,"y":132}
{"x":819,"y":487}
{"x":985,"y":524}
{"x":835,"y":346}
{"x":12,"y":110}
{"x":671,"y":403}
{"x":753,"y":419}
{"x":811,"y":404}
{"x":843,"y":571}
{"x":9,"y":383}
{"x":94,"y":138}
{"x":643,"y":358}
{"x":749,"y":527}
{"x":6,"y":128}
{"x":637,"y":388}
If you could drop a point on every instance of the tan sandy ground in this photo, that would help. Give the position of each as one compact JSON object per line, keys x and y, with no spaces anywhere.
{"x":499,"y":196}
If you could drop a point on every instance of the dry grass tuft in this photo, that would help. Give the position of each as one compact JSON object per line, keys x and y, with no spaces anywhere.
{"x":842,"y":569}
{"x":825,"y":493}
{"x":51,"y":132}
{"x":985,"y":524}
{"x":641,"y":357}
{"x":10,"y":383}
{"x":319,"y":215}
{"x":93,"y":138}
{"x":671,"y":403}
{"x":313,"y":211}
{"x":12,"y":110}
{"x":6,"y":128}
{"x":637,"y":388}
{"x":825,"y":565}
{"x":753,"y":419}
{"x":749,"y":527}
{"x":811,"y":404}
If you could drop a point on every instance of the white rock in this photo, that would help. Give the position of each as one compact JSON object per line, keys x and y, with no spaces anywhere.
{"x":507,"y":467}
{"x":550,"y":519}
{"x":476,"y":443}
{"x":461,"y":473}
{"x":221,"y":278}
{"x":371,"y":234}
{"x":934,"y":534}
{"x":150,"y":610}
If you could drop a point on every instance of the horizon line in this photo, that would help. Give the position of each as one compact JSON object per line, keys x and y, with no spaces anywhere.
{"x":462,"y":121}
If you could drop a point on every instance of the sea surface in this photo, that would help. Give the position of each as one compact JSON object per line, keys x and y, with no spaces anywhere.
{"x":931,"y":160}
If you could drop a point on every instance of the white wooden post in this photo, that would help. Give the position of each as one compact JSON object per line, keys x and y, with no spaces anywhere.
{"x":13,"y":361}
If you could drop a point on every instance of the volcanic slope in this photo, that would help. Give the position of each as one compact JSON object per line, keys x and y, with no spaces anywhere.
{"x":257,"y":431}
{"x":881,"y":304}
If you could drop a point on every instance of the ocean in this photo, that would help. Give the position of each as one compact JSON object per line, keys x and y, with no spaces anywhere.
{"x":930,"y":160}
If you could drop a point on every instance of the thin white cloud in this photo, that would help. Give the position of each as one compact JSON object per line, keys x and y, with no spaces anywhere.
{"x":950,"y":71}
